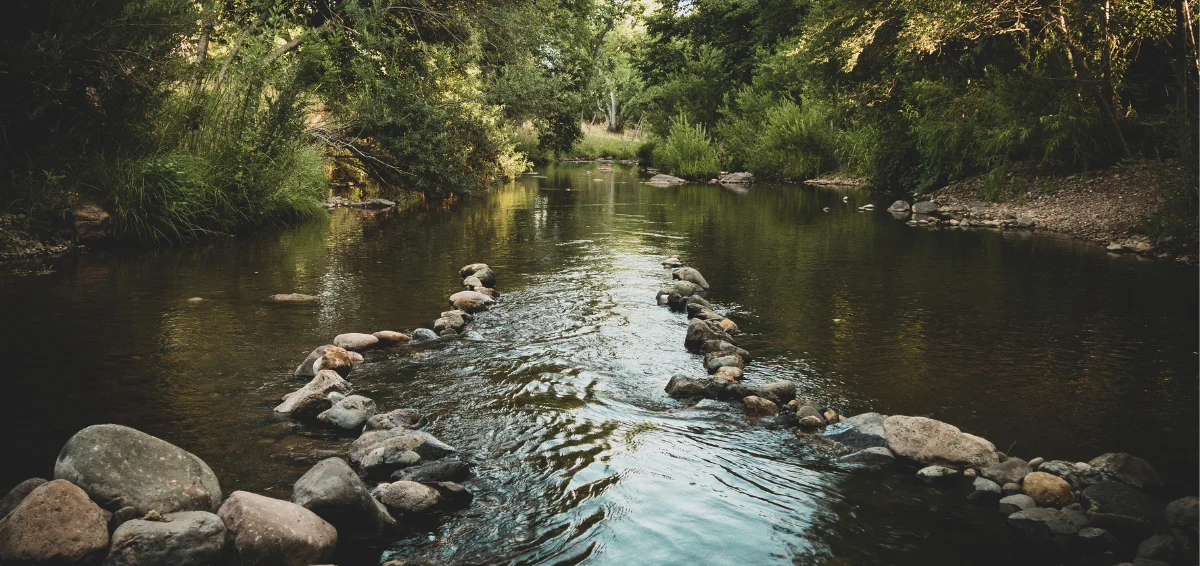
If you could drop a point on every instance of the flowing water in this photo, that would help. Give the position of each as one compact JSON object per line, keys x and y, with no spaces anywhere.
{"x":1046,"y":346}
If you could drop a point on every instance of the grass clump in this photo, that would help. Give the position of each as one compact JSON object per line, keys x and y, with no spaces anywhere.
{"x":687,"y":151}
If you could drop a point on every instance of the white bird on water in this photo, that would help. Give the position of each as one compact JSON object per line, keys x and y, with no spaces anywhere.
{"x":845,"y":199}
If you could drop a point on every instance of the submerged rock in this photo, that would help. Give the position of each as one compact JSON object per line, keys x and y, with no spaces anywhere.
{"x":1012,"y":470}
{"x":187,"y":538}
{"x":293,"y":298}
{"x":876,"y":455}
{"x":423,"y":335}
{"x":1123,"y":510}
{"x":274,"y":532}
{"x":1127,"y":468}
{"x":663,"y":180}
{"x":334,"y":492}
{"x":398,"y":418}
{"x":118,"y":466}
{"x":860,"y":431}
{"x":422,"y":443}
{"x":1013,"y":503}
{"x":930,"y":441}
{"x":1046,"y":524}
{"x":436,"y":471}
{"x":55,"y":524}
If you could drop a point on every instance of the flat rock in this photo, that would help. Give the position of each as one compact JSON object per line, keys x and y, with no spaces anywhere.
{"x":739,"y":178}
{"x":398,"y":418}
{"x":1014,"y":503}
{"x":335,"y":493}
{"x":1127,"y":468}
{"x":1047,"y":489}
{"x":356,"y":341}
{"x":312,"y":399}
{"x":187,"y":538}
{"x":436,"y":471}
{"x":875,"y":455}
{"x":1046,"y":524}
{"x":17,"y":494}
{"x":924,"y":207}
{"x":118,"y":466}
{"x":267,"y":531}
{"x":932,"y":474}
{"x":1012,"y":470}
{"x":423,"y":443}
{"x":860,"y":431}
{"x":759,"y":407}
{"x":664,"y":180}
{"x":899,"y":206}
{"x":930,"y":441}
{"x":293,"y":298}
{"x":55,"y":524}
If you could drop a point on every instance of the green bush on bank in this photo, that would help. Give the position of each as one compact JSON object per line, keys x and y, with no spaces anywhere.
{"x":687,"y":151}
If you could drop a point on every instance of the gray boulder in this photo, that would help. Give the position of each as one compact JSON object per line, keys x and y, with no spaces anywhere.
{"x":1123,"y":510}
{"x":701,"y":331}
{"x":17,"y":494}
{"x":860,"y":431}
{"x":398,"y":418}
{"x":899,"y":206}
{"x":876,"y":455}
{"x":677,"y":293}
{"x":408,"y":497}
{"x":1046,"y":524}
{"x":690,"y":274}
{"x":924,"y":207}
{"x":1014,"y":503}
{"x":1098,"y":540}
{"x":683,"y":387}
{"x":55,"y":524}
{"x":1127,"y":468}
{"x":739,"y":178}
{"x":1182,"y":514}
{"x":436,"y":471}
{"x":930,"y":441}
{"x":187,"y":538}
{"x":335,"y":493}
{"x":423,"y":443}
{"x":118,"y":466}
{"x":1165,"y":548}
{"x":349,"y":413}
{"x":781,"y":391}
{"x":663,"y":180}
{"x":1012,"y":470}
{"x":723,"y":347}
{"x":485,"y":276}
{"x":983,"y":489}
{"x":273,"y":532}
{"x":423,"y":335}
{"x":717,"y":360}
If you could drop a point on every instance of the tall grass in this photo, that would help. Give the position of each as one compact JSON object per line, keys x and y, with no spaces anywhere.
{"x":687,"y":151}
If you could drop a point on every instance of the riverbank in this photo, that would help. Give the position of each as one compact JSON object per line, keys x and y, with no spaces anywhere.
{"x":16,"y":244}
{"x":1115,"y":207}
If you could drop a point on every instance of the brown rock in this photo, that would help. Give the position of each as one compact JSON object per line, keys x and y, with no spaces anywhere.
{"x":92,"y":222}
{"x":409,"y":497}
{"x":1047,"y":489}
{"x":731,"y":372}
{"x":471,"y":301}
{"x":391,"y":337}
{"x":728,"y":326}
{"x":56,"y":523}
{"x":759,"y":407}
{"x":356,"y":341}
{"x":274,"y":532}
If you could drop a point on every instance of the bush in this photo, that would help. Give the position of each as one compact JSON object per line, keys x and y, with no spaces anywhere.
{"x":687,"y":151}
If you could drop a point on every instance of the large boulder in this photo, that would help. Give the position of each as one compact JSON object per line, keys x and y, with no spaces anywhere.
{"x":1047,"y":489}
{"x":485,"y":276}
{"x":471,"y":301}
{"x":273,"y":532}
{"x":91,"y":221}
{"x":739,"y":178}
{"x":187,"y":538}
{"x":690,"y":274}
{"x":356,"y":341}
{"x":1127,"y":468}
{"x":407,"y":497}
{"x":1123,"y":510}
{"x":350,"y":413}
{"x":860,"y":431}
{"x":334,"y":492}
{"x":1012,"y":470}
{"x":924,"y":207}
{"x":424,"y":444}
{"x":121,"y":467}
{"x":57,"y":524}
{"x":326,"y":357}
{"x":471,"y":269}
{"x":930,"y":441}
{"x":701,"y":331}
{"x":899,"y":206}
{"x":437,"y":471}
{"x":17,"y":494}
{"x":1184,"y":514}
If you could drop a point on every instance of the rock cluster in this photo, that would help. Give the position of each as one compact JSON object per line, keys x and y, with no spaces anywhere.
{"x":1098,"y":509}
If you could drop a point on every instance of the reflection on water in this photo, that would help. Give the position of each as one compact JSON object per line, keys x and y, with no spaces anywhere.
{"x":1047,"y":347}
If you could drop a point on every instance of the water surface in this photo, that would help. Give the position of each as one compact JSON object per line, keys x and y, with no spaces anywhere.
{"x":1046,"y":346}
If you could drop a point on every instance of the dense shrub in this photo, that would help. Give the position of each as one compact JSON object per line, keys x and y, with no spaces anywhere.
{"x":687,"y":151}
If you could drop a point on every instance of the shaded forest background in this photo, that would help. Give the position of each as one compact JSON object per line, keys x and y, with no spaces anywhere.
{"x":189,"y":118}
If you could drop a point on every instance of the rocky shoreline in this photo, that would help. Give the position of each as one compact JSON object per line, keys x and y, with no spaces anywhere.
{"x":122,"y":497}
{"x":1100,"y":513}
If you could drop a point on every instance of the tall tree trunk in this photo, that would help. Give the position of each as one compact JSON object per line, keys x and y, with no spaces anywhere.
{"x":614,"y":119}
{"x":1088,"y":83}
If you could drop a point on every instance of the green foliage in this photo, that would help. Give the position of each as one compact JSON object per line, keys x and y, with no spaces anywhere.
{"x":779,"y":138}
{"x":600,"y":146}
{"x":687,"y":151}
